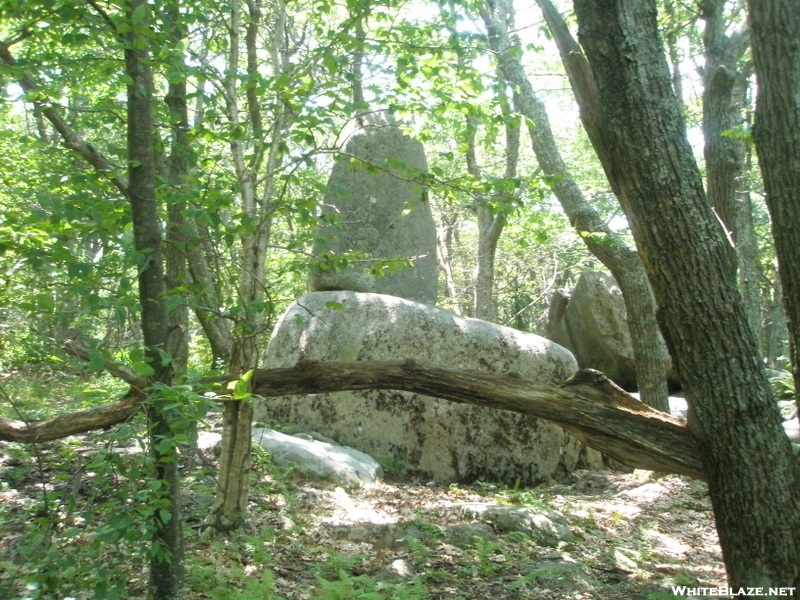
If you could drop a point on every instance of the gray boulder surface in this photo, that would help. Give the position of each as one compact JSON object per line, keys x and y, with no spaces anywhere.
{"x":380,"y":210}
{"x":433,"y":438}
{"x":591,"y":321}
{"x":319,"y":460}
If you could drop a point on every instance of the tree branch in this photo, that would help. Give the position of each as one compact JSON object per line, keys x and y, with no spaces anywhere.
{"x":589,"y":406}
{"x":118,"y":370}
{"x":71,"y":138}
{"x":101,"y":417}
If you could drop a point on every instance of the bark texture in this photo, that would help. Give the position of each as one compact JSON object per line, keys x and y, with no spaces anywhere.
{"x":641,"y":140}
{"x":776,"y":52}
{"x":725,"y":83}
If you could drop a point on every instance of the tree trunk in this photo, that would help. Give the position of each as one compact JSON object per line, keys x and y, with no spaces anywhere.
{"x":724,"y":99}
{"x":177,"y":275}
{"x":444,"y":243}
{"x":724,"y":155}
{"x":641,"y":141}
{"x":490,"y":222}
{"x":490,"y":226}
{"x":230,"y":506}
{"x":166,"y":564}
{"x":672,"y":40}
{"x":776,"y":53}
{"x":648,"y":347}
{"x":776,"y":333}
{"x":750,"y":273}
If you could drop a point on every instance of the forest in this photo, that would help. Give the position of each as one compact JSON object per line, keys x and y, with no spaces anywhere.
{"x":165,"y":166}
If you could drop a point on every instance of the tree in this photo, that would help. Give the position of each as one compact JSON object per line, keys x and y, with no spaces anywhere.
{"x":776,"y":54}
{"x":166,"y":565}
{"x":492,"y":216}
{"x":622,"y":261}
{"x":641,"y":141}
{"x":725,"y":84}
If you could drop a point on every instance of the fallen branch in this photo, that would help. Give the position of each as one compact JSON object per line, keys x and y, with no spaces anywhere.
{"x":589,"y":406}
{"x":101,"y":417}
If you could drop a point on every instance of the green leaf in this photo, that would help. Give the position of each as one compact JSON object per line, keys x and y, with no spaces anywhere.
{"x":241,"y":389}
{"x":45,"y":301}
{"x":334,"y":305}
{"x":139,"y":14}
{"x":329,"y":62}
{"x":143,"y":369}
{"x":165,"y":446}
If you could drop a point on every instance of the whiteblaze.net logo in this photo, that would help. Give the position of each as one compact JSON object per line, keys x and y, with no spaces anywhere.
{"x":726,"y":592}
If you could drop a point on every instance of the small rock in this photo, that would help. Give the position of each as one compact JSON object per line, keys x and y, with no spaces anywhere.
{"x":320,"y":460}
{"x":547,"y":527}
{"x":399,"y":570}
{"x":623,"y":562}
{"x":462,"y":535}
{"x":564,"y":574}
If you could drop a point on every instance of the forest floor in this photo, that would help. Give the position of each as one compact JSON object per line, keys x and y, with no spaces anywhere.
{"x":636,"y":535}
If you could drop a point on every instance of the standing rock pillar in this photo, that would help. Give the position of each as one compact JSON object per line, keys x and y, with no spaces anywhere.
{"x":376,"y":204}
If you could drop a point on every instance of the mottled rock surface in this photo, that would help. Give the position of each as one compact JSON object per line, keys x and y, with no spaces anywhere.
{"x":378,"y":207}
{"x":591,"y":321}
{"x":437,"y":439}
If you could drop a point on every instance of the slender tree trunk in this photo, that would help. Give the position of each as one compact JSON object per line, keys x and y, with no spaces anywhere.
{"x":749,"y":271}
{"x":725,"y":85}
{"x":724,"y":154}
{"x":641,"y":140}
{"x":444,"y":241}
{"x":490,"y":222}
{"x":177,"y":274}
{"x":671,"y":38}
{"x":490,"y":226}
{"x":623,"y":262}
{"x":230,"y":507}
{"x":776,"y":53}
{"x":166,"y":565}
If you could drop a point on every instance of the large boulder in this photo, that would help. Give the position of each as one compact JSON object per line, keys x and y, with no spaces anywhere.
{"x":435,"y":438}
{"x":591,"y":321}
{"x":379,"y":208}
